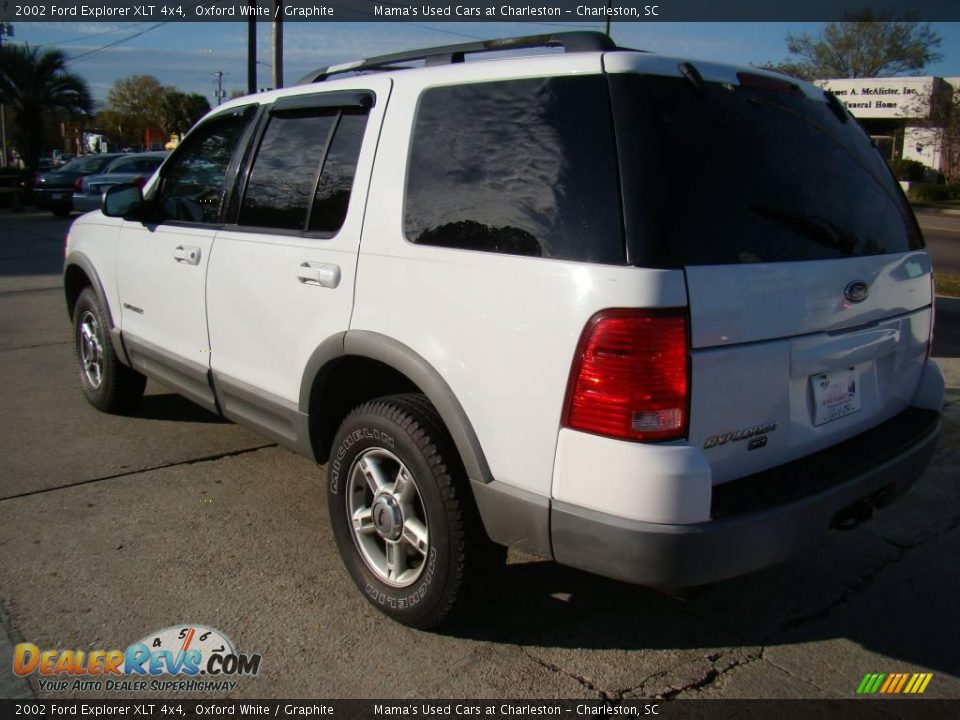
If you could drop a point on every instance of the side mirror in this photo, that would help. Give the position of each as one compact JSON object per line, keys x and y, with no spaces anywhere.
{"x":123,"y":201}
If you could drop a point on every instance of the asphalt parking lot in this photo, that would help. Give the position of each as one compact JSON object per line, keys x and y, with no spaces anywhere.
{"x":111,"y":528}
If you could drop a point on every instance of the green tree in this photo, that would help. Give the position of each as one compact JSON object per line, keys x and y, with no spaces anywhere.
{"x":134,"y":104}
{"x":866,"y":45}
{"x":180,"y":111}
{"x":38,"y":87}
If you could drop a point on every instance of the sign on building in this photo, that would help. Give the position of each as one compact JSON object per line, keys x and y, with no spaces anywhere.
{"x":902,"y":98}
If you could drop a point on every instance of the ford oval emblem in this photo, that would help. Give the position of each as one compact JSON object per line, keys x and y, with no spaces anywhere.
{"x":856,"y":291}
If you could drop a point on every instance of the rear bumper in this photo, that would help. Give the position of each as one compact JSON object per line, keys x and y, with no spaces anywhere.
{"x":57,"y":197}
{"x":757,"y":521}
{"x":86,"y":202}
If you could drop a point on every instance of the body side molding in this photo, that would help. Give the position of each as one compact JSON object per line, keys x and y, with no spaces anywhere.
{"x":184,"y":376}
{"x":275,"y":417}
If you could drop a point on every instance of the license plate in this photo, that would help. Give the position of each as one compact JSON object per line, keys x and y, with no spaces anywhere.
{"x":56,"y":196}
{"x":835,"y":395}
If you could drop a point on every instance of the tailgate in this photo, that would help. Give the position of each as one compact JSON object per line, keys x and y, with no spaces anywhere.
{"x":808,"y":282}
{"x":784,"y":365}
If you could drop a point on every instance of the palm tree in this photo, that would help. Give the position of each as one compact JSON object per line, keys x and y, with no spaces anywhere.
{"x":34,"y":85}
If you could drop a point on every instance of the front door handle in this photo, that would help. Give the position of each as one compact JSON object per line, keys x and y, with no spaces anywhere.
{"x":187,"y":254}
{"x":322,"y":274}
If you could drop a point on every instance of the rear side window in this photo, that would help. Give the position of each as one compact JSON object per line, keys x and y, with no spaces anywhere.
{"x":285,"y":171}
{"x":303,"y":171}
{"x":724,"y":174}
{"x":336,"y":181}
{"x":525,"y":167}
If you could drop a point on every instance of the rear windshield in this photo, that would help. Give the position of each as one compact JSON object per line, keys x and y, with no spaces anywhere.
{"x":134,"y":164}
{"x":89,"y":164}
{"x":721,"y":174}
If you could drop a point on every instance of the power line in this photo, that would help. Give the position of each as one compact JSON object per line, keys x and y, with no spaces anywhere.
{"x":89,"y":37}
{"x":129,"y":37}
{"x":114,"y":44}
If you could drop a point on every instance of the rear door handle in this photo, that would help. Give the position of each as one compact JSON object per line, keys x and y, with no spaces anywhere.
{"x":187,"y":254}
{"x":322,"y":274}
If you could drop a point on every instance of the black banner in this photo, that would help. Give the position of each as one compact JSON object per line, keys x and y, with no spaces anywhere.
{"x":862,"y":709}
{"x":468,"y":10}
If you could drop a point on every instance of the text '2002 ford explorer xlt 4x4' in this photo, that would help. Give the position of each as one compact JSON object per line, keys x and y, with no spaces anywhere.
{"x":663,"y":320}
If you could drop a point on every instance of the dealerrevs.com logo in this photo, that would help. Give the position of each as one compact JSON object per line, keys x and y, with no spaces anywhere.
{"x":185,"y":657}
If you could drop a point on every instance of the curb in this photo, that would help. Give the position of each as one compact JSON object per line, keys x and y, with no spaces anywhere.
{"x":930,"y":210}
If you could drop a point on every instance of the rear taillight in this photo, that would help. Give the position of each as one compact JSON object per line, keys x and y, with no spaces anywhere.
{"x":630,"y":376}
{"x":78,"y":185}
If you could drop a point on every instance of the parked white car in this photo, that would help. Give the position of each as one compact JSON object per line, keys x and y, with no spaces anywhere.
{"x":660,"y":319}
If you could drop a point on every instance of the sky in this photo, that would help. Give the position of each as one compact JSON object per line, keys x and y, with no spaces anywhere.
{"x":186,"y":54}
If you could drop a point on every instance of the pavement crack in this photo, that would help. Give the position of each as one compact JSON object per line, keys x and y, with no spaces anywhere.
{"x":711,"y":674}
{"x":793,"y":675}
{"x":37,"y":345}
{"x":718,"y":667}
{"x":137,"y":471}
{"x":553,"y":667}
{"x":863,"y":582}
{"x":30,"y":290}
{"x":12,"y":686}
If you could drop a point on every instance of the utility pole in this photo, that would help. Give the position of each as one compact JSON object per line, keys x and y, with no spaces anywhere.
{"x":252,"y":49}
{"x":5,"y":29}
{"x":277,"y":44}
{"x":219,"y":76}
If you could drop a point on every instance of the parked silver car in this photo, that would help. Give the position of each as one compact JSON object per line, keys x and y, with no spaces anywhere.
{"x":125,"y":169}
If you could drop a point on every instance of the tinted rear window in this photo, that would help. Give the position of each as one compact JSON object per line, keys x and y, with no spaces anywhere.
{"x":723,"y":174}
{"x":89,"y":164}
{"x":284,"y":173}
{"x":525,"y":167}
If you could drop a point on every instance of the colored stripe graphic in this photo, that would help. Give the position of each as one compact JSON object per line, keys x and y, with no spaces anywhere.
{"x":903,"y":681}
{"x":894,"y":683}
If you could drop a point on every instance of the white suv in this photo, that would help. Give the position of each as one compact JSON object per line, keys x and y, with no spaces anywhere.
{"x":664,"y":320}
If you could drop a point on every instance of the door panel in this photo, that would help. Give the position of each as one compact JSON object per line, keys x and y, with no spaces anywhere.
{"x":275,"y":293}
{"x":162,"y":265}
{"x":163,"y":312}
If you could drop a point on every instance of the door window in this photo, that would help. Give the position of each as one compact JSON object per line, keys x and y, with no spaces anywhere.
{"x":192,"y":186}
{"x":303,"y":172}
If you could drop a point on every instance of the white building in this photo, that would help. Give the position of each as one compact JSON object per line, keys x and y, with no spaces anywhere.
{"x":898,"y":112}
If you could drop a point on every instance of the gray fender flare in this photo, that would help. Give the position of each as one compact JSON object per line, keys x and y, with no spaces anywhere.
{"x":78,"y":259}
{"x":400,"y":357}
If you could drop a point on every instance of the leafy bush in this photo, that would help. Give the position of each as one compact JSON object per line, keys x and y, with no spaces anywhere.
{"x":912,"y":170}
{"x":934,"y":192}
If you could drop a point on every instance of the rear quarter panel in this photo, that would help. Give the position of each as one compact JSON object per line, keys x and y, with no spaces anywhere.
{"x":500,"y":329}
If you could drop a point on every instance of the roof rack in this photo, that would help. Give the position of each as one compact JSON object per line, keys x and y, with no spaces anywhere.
{"x":585,"y":41}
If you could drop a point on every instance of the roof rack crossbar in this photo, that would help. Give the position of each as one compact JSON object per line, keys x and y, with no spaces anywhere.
{"x":583,"y":41}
